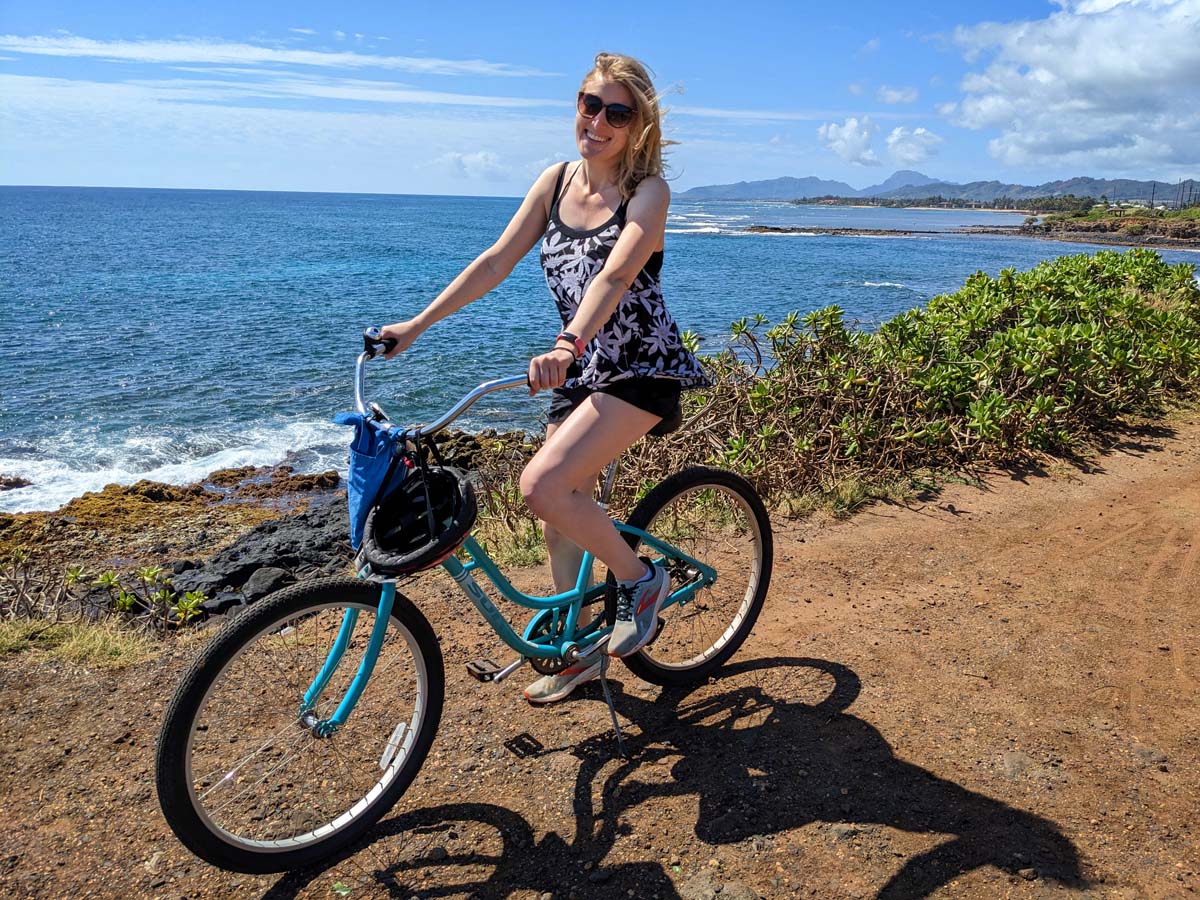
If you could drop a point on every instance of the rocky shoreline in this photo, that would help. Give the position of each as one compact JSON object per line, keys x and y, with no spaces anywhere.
{"x":1186,"y":237}
{"x":1137,"y":233}
{"x":236,"y":535}
{"x":842,"y":232}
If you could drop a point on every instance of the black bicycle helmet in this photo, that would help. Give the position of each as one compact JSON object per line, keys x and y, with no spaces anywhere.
{"x":398,"y":538}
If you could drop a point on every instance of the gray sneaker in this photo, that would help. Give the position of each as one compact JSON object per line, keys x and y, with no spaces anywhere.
{"x":637,"y":612}
{"x":549,"y":688}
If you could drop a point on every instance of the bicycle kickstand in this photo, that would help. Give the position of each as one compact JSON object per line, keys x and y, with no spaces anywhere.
{"x":612,"y":710}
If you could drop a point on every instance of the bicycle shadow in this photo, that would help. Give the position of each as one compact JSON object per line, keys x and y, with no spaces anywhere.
{"x":802,"y":763}
{"x":759,"y":765}
{"x":520,"y":864}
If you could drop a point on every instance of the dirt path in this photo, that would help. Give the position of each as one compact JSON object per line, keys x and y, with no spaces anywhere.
{"x":991,"y":694}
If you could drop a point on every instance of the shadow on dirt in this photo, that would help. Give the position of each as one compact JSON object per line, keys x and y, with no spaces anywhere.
{"x":760,"y":762}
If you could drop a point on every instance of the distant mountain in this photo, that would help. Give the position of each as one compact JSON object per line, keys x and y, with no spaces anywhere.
{"x":906,"y":184}
{"x":774,"y":189}
{"x":902,"y":179}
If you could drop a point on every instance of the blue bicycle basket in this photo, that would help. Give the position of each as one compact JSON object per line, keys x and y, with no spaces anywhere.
{"x":375,"y":468}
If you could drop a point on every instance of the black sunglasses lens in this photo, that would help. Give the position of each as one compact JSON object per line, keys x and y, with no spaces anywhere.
{"x":619,"y":116}
{"x":590,"y":104}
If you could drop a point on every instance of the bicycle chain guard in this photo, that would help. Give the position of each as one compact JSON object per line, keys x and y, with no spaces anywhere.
{"x":543,"y":626}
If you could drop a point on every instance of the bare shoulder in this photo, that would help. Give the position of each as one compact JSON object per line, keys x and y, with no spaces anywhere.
{"x":542,"y":190}
{"x":652,"y":189}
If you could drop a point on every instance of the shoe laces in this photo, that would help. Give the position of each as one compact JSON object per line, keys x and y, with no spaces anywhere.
{"x":625,"y":597}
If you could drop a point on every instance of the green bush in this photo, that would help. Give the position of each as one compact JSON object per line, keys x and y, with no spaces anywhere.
{"x":1024,"y":362}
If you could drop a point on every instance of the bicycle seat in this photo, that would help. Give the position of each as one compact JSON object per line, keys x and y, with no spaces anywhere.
{"x":669,"y":424}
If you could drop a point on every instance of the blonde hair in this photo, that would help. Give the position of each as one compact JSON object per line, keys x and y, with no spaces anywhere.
{"x":643,"y":154}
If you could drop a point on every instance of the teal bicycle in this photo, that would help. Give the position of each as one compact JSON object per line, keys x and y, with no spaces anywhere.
{"x":309,"y":714}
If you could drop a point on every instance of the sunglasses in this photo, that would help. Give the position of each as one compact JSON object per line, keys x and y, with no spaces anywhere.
{"x":618,"y":114}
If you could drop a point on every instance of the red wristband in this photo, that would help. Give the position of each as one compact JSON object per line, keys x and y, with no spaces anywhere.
{"x":575,"y":341}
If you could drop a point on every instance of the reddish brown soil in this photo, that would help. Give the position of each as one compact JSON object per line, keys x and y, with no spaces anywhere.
{"x":991,"y":693}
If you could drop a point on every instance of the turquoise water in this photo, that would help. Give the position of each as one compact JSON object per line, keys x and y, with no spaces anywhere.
{"x":164,"y":334}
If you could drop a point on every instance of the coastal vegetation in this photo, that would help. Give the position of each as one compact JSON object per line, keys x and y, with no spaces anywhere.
{"x":1103,"y":212}
{"x":1006,"y":367}
{"x":1065,"y":203}
{"x":1124,"y":223}
{"x":817,"y":412}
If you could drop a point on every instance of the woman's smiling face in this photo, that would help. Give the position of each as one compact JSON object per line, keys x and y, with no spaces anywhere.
{"x":597,"y":140}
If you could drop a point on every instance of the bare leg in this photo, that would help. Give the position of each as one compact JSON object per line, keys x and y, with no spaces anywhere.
{"x":599,"y":430}
{"x":565,"y":555}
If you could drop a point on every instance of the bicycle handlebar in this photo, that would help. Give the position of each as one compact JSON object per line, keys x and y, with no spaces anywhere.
{"x":373,"y":345}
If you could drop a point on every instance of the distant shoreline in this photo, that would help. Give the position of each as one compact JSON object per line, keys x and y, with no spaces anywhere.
{"x":1079,"y":237}
{"x":1015,"y":212}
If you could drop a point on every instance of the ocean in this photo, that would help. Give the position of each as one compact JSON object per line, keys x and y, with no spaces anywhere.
{"x":164,"y":334}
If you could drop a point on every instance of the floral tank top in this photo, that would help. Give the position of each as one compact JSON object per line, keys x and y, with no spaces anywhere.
{"x":640,"y":339}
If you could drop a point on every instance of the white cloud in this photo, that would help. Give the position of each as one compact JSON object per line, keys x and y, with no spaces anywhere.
{"x":271,"y":85}
{"x":222,"y":53}
{"x":139,"y":135}
{"x":480,"y":165}
{"x":909,"y":147}
{"x":1111,"y":84}
{"x":754,"y":115}
{"x":869,"y":47}
{"x":856,"y":88}
{"x":302,"y":30}
{"x":887,"y":94}
{"x":851,"y":140}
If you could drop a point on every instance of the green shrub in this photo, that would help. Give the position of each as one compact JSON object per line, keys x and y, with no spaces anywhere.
{"x":1024,"y":362}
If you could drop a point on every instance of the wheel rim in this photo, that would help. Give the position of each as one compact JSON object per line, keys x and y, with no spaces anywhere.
{"x":717,"y":526}
{"x":259,"y":778}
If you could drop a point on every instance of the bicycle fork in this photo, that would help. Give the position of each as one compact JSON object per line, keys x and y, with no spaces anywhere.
{"x":326,"y":727}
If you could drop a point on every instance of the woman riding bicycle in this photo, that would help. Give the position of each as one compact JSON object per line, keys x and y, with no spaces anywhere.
{"x":618,"y":366}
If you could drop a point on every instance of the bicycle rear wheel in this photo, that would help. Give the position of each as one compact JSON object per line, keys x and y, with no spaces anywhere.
{"x":245,"y":779}
{"x":715,"y":517}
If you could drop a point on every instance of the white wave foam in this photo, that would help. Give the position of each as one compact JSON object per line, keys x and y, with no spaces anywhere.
{"x":698,"y":229}
{"x":886,"y":284}
{"x":55,"y":481}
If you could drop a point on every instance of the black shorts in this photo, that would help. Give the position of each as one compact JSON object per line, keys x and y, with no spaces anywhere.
{"x":657,"y":396}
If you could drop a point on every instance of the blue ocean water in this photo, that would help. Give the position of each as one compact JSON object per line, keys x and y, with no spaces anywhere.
{"x":164,"y":334}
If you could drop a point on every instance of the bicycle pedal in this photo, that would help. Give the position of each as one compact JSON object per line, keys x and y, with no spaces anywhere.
{"x":483,"y":670}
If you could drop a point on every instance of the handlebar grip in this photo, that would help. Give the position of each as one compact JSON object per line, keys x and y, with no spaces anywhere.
{"x":373,"y":344}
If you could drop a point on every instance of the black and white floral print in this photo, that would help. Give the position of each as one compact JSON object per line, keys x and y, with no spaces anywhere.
{"x":640,"y":339}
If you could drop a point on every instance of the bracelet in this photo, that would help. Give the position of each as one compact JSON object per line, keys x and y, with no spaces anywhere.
{"x":572,"y":339}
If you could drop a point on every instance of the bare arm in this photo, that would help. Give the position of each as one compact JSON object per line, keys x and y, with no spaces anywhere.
{"x":645,"y":223}
{"x":488,"y":269}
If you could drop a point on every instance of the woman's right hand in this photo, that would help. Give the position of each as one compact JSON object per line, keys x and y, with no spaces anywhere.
{"x":403,"y":333}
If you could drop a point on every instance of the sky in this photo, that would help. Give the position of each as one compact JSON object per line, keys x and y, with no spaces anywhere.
{"x":477,"y":98}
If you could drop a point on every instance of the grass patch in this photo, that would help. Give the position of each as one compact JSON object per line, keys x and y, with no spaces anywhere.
{"x":518,"y":544}
{"x":103,"y":645}
{"x":850,"y":494}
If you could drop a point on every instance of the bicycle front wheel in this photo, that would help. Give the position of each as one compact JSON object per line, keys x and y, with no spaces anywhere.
{"x":717,"y":518}
{"x":246,"y":778}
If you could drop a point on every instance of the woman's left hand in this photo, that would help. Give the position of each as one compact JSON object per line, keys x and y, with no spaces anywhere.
{"x":549,"y":370}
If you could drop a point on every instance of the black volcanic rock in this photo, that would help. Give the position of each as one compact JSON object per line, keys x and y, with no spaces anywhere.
{"x":309,"y":543}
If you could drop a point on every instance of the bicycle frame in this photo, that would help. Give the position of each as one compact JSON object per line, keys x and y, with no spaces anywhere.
{"x":562,"y":639}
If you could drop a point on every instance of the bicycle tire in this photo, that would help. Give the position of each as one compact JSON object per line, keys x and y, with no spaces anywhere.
{"x":285,"y":637}
{"x":714,"y":513}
